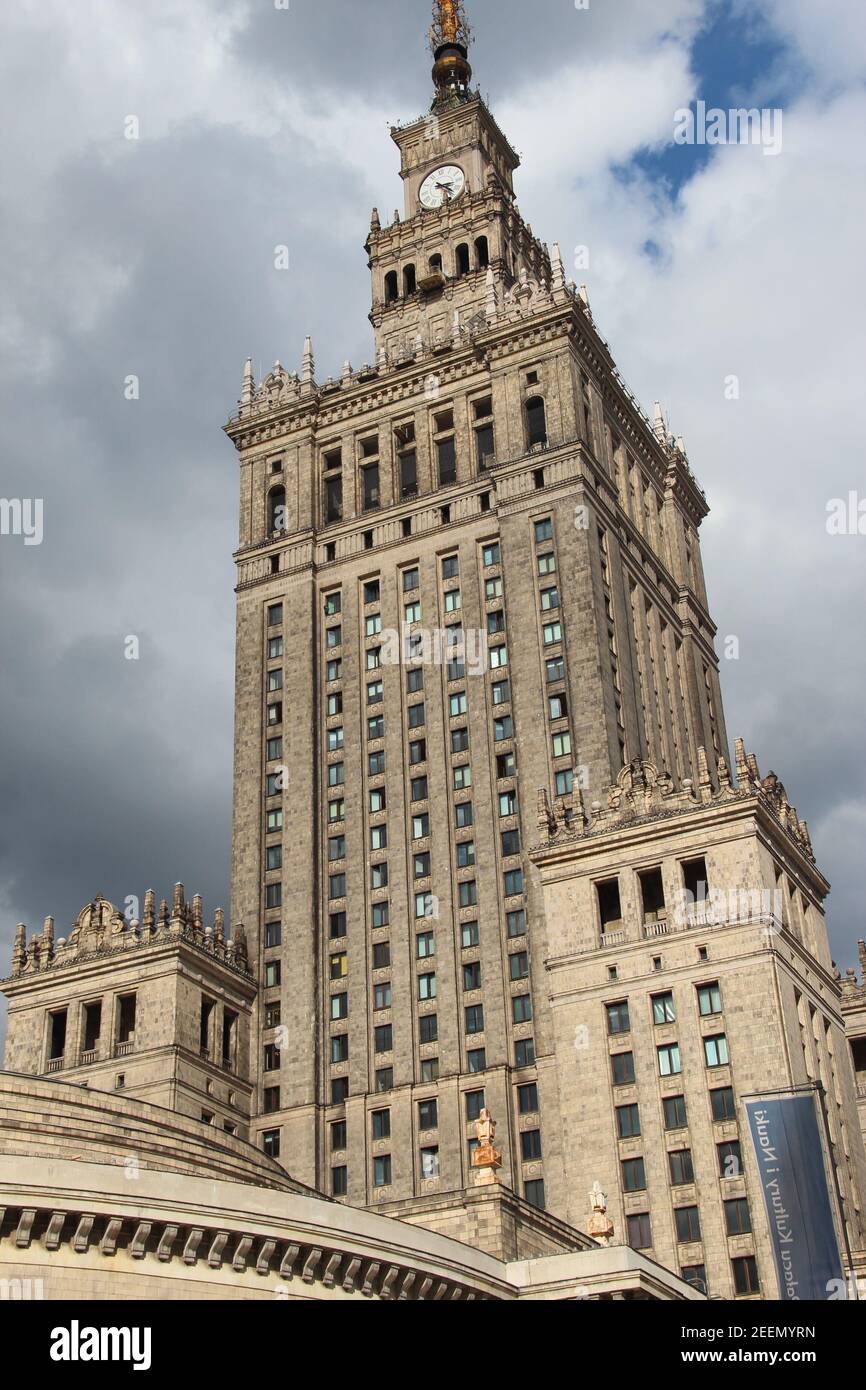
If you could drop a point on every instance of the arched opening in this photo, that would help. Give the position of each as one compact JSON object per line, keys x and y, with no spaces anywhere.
{"x":408,"y":279}
{"x":276,"y":510}
{"x":536,"y":422}
{"x":392,"y":288}
{"x":436,"y":264}
{"x":462,"y":255}
{"x":482,"y":253}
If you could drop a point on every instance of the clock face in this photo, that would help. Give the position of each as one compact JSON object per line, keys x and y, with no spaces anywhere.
{"x":441,"y":186}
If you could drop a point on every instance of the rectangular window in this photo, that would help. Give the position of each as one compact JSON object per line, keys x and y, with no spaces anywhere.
{"x":639,"y":1231}
{"x":681,"y":1167}
{"x":675,"y":1112}
{"x":474,"y":1102}
{"x":381,"y":955}
{"x":446,"y":455}
{"x":555,"y":669}
{"x":490,"y":555}
{"x":746,"y":1275}
{"x":409,"y":474}
{"x":428,"y":1114}
{"x":476,"y":1060}
{"x":427,"y":986}
{"x":622,"y":1068}
{"x":547,"y":564}
{"x":275,"y":615}
{"x":421,"y":826}
{"x":543,"y":531}
{"x":521,"y":1008}
{"x":371,"y":591}
{"x":272,"y":974}
{"x":738,"y":1221}
{"x":340,"y":1048}
{"x":274,"y":749}
{"x":417,"y":717}
{"x":468,"y":893}
{"x":430,"y":1069}
{"x":524,"y":1052}
{"x":722,"y":1102}
{"x":670,"y":1063}
{"x":516,"y":922}
{"x":271,"y":1098}
{"x":381,"y":915}
{"x":428,"y":1028}
{"x":709,"y":999}
{"x":382,"y":1170}
{"x":530,"y":1145}
{"x":338,"y":966}
{"x":457,"y":704}
{"x":688,"y":1221}
{"x":383,"y":1038}
{"x":552,"y":634}
{"x":382,"y":995}
{"x":333,"y":604}
{"x":628,"y":1121}
{"x":503,"y":729}
{"x":469,"y":935}
{"x":633,"y":1175}
{"x":527,"y":1098}
{"x":333,"y":637}
{"x":376,"y":763}
{"x":663,"y":1008}
{"x":384,"y":1080}
{"x":275,"y":648}
{"x":273,"y":934}
{"x":336,"y":810}
{"x":562,"y":745}
{"x":716,"y":1051}
{"x":730,"y":1159}
{"x":466,"y":854}
{"x":618,"y":1019}
{"x":474,"y":1018}
{"x":381,"y":1124}
{"x":337,"y":925}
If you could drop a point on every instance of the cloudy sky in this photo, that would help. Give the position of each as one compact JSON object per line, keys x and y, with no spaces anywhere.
{"x":153,"y":257}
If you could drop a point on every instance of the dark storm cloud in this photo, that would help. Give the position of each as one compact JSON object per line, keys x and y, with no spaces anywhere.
{"x":155,"y":258}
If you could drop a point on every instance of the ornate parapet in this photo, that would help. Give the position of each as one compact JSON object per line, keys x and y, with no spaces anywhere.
{"x":100,"y":929}
{"x":644,"y":792}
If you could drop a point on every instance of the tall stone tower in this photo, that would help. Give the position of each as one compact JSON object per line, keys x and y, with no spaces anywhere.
{"x":467,"y":571}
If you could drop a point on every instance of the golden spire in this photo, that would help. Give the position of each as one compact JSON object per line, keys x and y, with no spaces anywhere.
{"x":450,"y":37}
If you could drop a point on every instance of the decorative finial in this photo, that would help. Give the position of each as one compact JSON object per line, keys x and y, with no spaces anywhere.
{"x":308,"y":371}
{"x":450,"y":37}
{"x":249,"y":385}
{"x":660,"y":429}
{"x":599,"y":1226}
{"x":486,"y":1159}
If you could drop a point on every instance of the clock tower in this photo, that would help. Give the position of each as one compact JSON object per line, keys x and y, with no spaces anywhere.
{"x":461,"y":242}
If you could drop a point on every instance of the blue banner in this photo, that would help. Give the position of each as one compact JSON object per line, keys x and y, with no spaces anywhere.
{"x":787,"y":1139}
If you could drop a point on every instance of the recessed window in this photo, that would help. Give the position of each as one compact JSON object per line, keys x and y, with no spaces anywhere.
{"x":663,"y":1008}
{"x":681,"y":1167}
{"x":669,"y":1060}
{"x":618,"y":1020}
{"x":709,"y":999}
{"x":688,"y":1223}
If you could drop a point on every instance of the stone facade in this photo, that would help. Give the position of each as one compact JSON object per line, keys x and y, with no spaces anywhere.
{"x":854,"y":1011}
{"x":672,"y":1006}
{"x":490,"y":483}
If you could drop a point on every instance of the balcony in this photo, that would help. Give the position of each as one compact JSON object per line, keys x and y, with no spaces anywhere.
{"x":703,"y":918}
{"x":861,"y":1087}
{"x":89,"y":1056}
{"x":55,"y":1064}
{"x":123,"y":1049}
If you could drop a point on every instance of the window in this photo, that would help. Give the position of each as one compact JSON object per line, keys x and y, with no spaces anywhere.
{"x":730,"y":1159}
{"x":709,"y":999}
{"x":271,"y":1143}
{"x":333,"y":500}
{"x":271,"y":1101}
{"x":371,"y":591}
{"x":338,"y":1136}
{"x":333,"y":604}
{"x":722,"y":1102}
{"x":373,"y":625}
{"x":272,"y":974}
{"x":457,"y":704}
{"x":421,"y":826}
{"x":746,"y":1275}
{"x":663,"y":1008}
{"x":498,"y":657}
{"x":337,"y":925}
{"x":466,"y":854}
{"x":418,"y":788}
{"x":275,"y":615}
{"x":633,"y":1175}
{"x":340,"y":1048}
{"x":490,"y":555}
{"x":378,"y":800}
{"x":381,"y":1124}
{"x":557,"y":706}
{"x":381,"y":955}
{"x":430,"y":1069}
{"x":505,"y":766}
{"x":469,"y":935}
{"x":335,"y":705}
{"x":468,"y":893}
{"x":274,"y":749}
{"x":533,"y":1191}
{"x":476,"y":1060}
{"x":428,"y":1029}
{"x":562,"y":745}
{"x":670,"y":1063}
{"x":338,"y":965}
{"x":516,"y":922}
{"x":518,"y":965}
{"x":272,"y":1015}
{"x":474,"y":1018}
{"x":521,"y":1008}
{"x":273,"y":895}
{"x":474,"y":1101}
{"x":510,"y":842}
{"x":618,"y":1020}
{"x":530,"y":1145}
{"x":339,"y":1181}
{"x":446,"y":457}
{"x":536,"y":423}
{"x":549,"y":599}
{"x":716,"y":1051}
{"x":527,"y":1098}
{"x":428,"y":1114}
{"x":335,"y":740}
{"x":552,"y":633}
{"x":417,"y":752}
{"x":682,"y":1169}
{"x":275,"y":714}
{"x":622,"y":1068}
{"x":411,"y":580}
{"x":339,"y":1089}
{"x":628,"y":1121}
{"x":336,"y":774}
{"x":675,"y":1112}
{"x":424,"y":905}
{"x":383,"y":1038}
{"x":513,"y":879}
{"x":374,"y":658}
{"x":427,"y":986}
{"x":609,"y":909}
{"x":555,"y":669}
{"x":695,"y":879}
{"x":639,"y":1231}
{"x":417,"y":716}
{"x":333,"y":637}
{"x":275,"y":680}
{"x":463,"y":814}
{"x":696,"y":1275}
{"x":376,"y":763}
{"x":384,"y":1080}
{"x":503,"y":728}
{"x":524,"y":1052}
{"x":382,"y":1170}
{"x":273,"y":934}
{"x":334,"y":672}
{"x":738,"y":1221}
{"x":430,"y":1162}
{"x":453,"y":601}
{"x":382,"y":995}
{"x":688,"y":1222}
{"x":337,"y":886}
{"x":421,"y":865}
